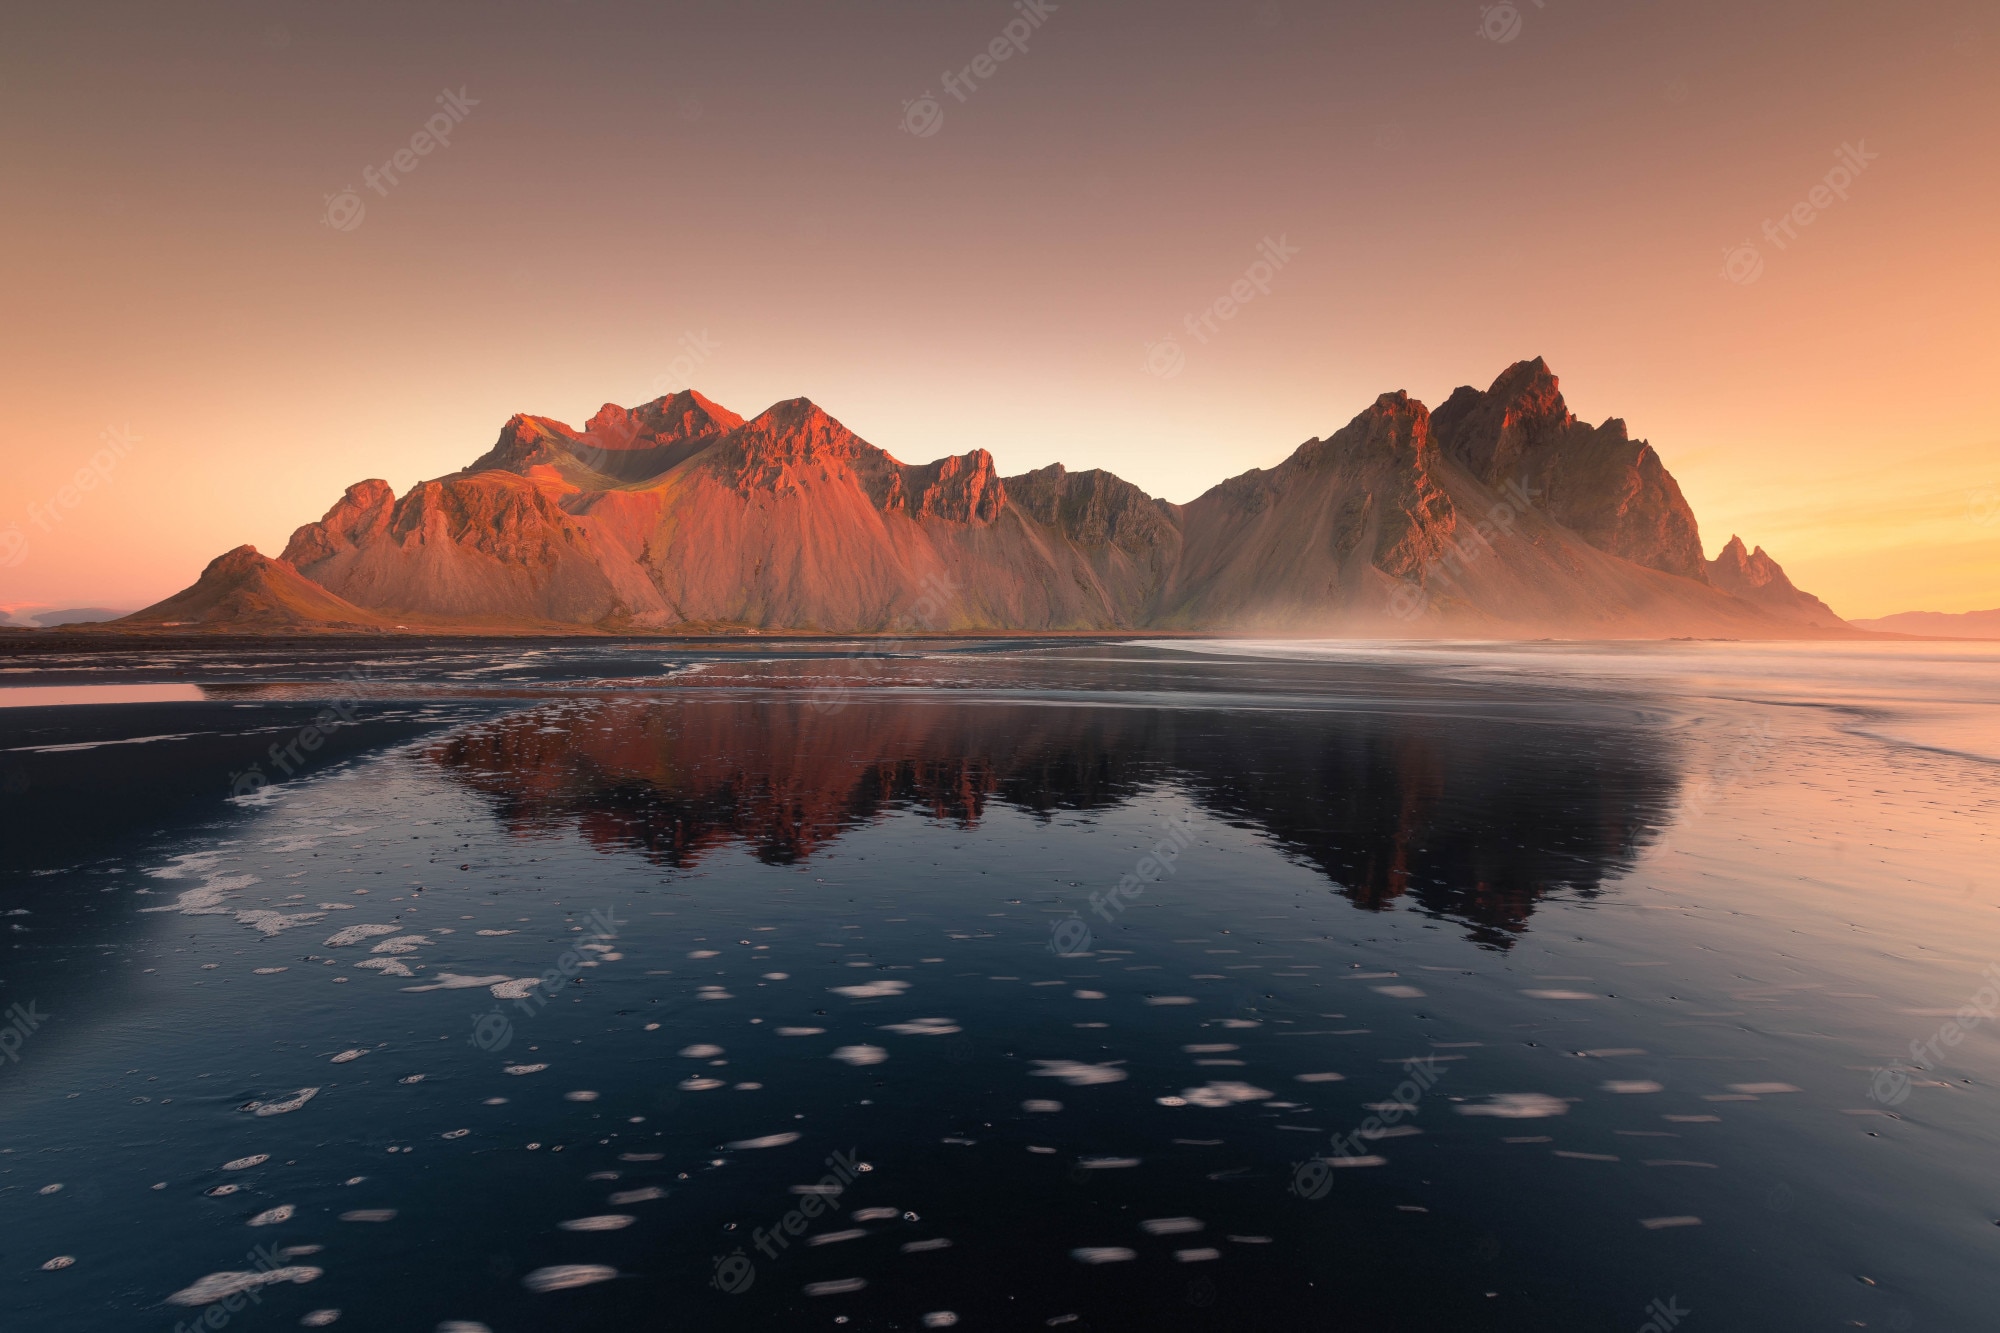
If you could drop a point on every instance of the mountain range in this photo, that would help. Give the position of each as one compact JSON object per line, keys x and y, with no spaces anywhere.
{"x":1937,"y":624}
{"x":1497,"y":515}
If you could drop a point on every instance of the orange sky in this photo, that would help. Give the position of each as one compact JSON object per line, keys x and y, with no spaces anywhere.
{"x":741,"y":171}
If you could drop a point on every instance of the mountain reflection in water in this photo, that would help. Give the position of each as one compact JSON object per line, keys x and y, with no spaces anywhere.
{"x":1468,"y":818}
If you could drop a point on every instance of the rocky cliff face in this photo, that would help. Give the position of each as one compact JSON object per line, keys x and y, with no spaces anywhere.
{"x":1498,"y":514}
{"x":1611,"y":490}
{"x":1758,"y":579}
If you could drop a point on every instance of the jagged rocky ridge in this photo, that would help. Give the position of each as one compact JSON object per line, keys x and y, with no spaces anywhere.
{"x":1500,"y":514}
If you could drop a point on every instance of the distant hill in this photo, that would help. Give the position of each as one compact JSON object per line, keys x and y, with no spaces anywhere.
{"x":242,"y":590}
{"x":1937,"y":624}
{"x":1501,"y":515}
{"x":81,"y":615}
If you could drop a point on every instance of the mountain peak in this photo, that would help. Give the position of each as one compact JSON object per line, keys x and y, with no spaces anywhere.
{"x":1758,"y":579}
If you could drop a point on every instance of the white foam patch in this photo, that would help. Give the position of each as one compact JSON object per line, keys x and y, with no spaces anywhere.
{"x":1077,"y":1074}
{"x":457,"y":981}
{"x":266,"y":922}
{"x":861,"y":1055}
{"x":1223,"y":1093}
{"x":218,"y":1286}
{"x":206,"y":900}
{"x":601,"y":1222}
{"x":924,"y":1027}
{"x":768,"y":1140}
{"x":1517,"y":1106}
{"x":348,"y":1056}
{"x":367,"y":930}
{"x":291,"y":1103}
{"x":872,"y":990}
{"x":1102,"y":1254}
{"x":388,"y":967}
{"x":523,"y":1069}
{"x":272,"y":1216}
{"x":562,"y":1277}
{"x":181,"y":867}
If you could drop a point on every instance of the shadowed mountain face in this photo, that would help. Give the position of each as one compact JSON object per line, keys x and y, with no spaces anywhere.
{"x":1501,"y":515}
{"x":1425,"y":811}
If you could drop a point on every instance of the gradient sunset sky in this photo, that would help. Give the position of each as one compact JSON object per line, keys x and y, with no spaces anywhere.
{"x":754,"y":198}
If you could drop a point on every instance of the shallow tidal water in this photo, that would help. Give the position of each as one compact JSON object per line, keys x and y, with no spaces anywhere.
{"x":604,"y":986}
